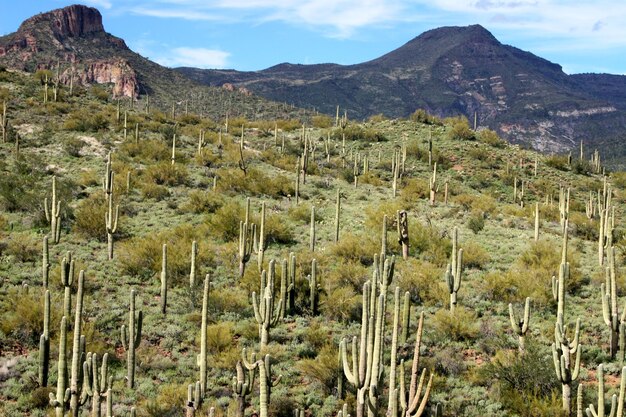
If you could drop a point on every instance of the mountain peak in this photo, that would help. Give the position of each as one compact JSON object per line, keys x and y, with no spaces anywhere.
{"x":71,"y":21}
{"x":474,"y":33}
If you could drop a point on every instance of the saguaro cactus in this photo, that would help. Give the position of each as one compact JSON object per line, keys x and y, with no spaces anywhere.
{"x":414,"y":404}
{"x":312,"y":230}
{"x":265,"y":381}
{"x":454,"y":270}
{"x":616,"y":404}
{"x":131,"y":339}
{"x":246,"y":240}
{"x":337,"y":212}
{"x":67,"y":279}
{"x":402,"y":221}
{"x":45,"y":264}
{"x":261,"y":246}
{"x":44,"y":343}
{"x":203,"y":334}
{"x":110,"y":219}
{"x":75,"y":376}
{"x":194,"y":399}
{"x":192,"y":273}
{"x":610,"y":313}
{"x":164,"y":280}
{"x":53,"y":212}
{"x":313,"y":288}
{"x":61,"y":399}
{"x":365,"y":372}
{"x":432,"y":185}
{"x":244,"y":382}
{"x":520,"y":326}
{"x":95,"y":385}
{"x":264,"y":312}
{"x":566,"y":371}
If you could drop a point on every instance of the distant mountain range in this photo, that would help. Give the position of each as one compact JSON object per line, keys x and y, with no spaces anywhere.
{"x":447,"y":71}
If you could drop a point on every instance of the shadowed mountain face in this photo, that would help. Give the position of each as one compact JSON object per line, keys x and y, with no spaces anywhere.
{"x":451,"y":71}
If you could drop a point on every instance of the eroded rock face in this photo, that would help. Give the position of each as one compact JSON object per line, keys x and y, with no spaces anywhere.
{"x":71,"y":21}
{"x":115,"y":71}
{"x":58,"y":36}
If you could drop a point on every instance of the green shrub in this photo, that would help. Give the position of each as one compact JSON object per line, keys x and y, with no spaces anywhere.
{"x":166,"y":173}
{"x":73,"y":146}
{"x":147,"y":150}
{"x":342,"y":304}
{"x":423,"y":280}
{"x":476,"y":221}
{"x":203,"y":202}
{"x":356,"y":248}
{"x":421,"y":116}
{"x":474,"y":255}
{"x":558,"y":162}
{"x":89,"y":217}
{"x":460,"y":129}
{"x":323,"y":369}
{"x":458,"y":326}
{"x":151,"y":190}
{"x":23,"y":247}
{"x":358,"y":133}
{"x":491,"y":138}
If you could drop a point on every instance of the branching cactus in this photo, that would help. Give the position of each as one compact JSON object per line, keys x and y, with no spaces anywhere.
{"x":246,"y":239}
{"x":562,"y":351}
{"x":265,"y":381}
{"x":53,"y":212}
{"x":111,"y":224}
{"x":406,"y":317}
{"x":44,"y":343}
{"x":60,"y":401}
{"x":610,"y":312}
{"x":95,"y":384}
{"x":291,"y":286}
{"x":264,"y":312}
{"x":194,"y":399}
{"x":67,"y":279}
{"x":365,"y":374}
{"x":402,"y":221}
{"x":244,"y":382}
{"x":107,"y":183}
{"x":131,"y":339}
{"x":454,"y":270}
{"x":616,"y":404}
{"x":520,"y":326}
{"x":414,"y":402}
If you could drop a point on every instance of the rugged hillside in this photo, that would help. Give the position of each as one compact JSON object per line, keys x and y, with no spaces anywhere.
{"x":74,"y":39}
{"x":450,"y":71}
{"x":198,"y":193}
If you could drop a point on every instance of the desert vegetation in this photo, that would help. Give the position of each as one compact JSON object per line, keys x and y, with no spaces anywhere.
{"x":156,"y":263}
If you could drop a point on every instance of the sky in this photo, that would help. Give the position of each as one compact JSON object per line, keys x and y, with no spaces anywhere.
{"x":250,"y":35}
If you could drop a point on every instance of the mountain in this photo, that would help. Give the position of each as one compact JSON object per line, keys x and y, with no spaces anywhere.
{"x":450,"y":71}
{"x":74,"y":39}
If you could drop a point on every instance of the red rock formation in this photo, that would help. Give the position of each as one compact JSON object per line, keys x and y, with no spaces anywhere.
{"x":114,"y":71}
{"x":72,"y":21}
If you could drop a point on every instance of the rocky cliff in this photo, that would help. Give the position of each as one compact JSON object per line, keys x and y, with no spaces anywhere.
{"x":75,"y":39}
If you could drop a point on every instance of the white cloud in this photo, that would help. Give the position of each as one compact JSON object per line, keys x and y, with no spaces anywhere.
{"x":104,"y":4}
{"x":195,"y":57}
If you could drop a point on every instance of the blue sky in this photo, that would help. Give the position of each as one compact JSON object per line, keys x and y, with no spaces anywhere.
{"x":582,"y":36}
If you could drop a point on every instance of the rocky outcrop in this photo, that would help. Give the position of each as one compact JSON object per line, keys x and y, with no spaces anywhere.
{"x":110,"y":71}
{"x":71,"y":21}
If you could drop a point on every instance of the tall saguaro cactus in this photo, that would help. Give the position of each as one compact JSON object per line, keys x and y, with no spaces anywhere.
{"x":75,"y":376}
{"x":45,"y":263}
{"x":203,"y":334}
{"x":244,"y":382}
{"x":402,"y":220}
{"x":131,"y":339}
{"x":337,"y":212}
{"x":616,"y":404}
{"x":62,"y":397}
{"x":44,"y":343}
{"x":264,"y":312}
{"x":95,"y":384}
{"x":110,"y":219}
{"x":164,"y":280}
{"x":366,"y":370}
{"x":67,"y":279}
{"x":265,"y":381}
{"x":414,"y":404}
{"x":261,"y":248}
{"x":610,"y":313}
{"x":454,"y":270}
{"x":53,"y":212}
